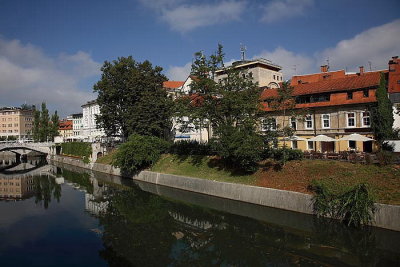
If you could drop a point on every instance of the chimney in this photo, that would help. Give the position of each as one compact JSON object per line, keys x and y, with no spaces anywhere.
{"x":324,"y":68}
{"x":395,"y":57}
{"x":361,"y":70}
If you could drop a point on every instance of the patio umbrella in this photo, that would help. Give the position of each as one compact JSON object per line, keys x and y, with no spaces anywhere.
{"x":356,"y":137}
{"x":322,"y":138}
{"x":294,"y":138}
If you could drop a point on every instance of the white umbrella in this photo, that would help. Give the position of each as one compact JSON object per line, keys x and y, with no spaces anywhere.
{"x":356,"y":137}
{"x":294,"y":138}
{"x":322,"y":138}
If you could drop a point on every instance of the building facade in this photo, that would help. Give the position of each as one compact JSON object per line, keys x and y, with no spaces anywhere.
{"x":77,"y":124}
{"x":65,"y":128}
{"x":90,"y":130}
{"x":16,"y":122}
{"x":335,"y":104}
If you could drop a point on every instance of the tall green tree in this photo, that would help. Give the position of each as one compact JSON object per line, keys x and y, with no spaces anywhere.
{"x":53,"y":132}
{"x":382,"y":114}
{"x":36,"y":125}
{"x":44,"y":123}
{"x":132,"y":100}
{"x":231,"y":107}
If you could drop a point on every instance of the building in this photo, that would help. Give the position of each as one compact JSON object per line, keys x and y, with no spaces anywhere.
{"x":394,"y":89}
{"x":65,"y":128}
{"x":77,"y":124}
{"x":335,"y":104}
{"x":263,"y":72}
{"x":90,"y":130}
{"x":16,"y":122}
{"x":20,"y":187}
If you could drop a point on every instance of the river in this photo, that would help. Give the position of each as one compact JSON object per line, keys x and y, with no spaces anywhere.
{"x":54,"y":215}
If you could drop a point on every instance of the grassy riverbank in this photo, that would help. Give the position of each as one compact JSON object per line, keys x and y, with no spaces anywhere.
{"x":384,"y":182}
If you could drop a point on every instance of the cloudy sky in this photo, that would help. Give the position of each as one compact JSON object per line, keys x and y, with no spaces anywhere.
{"x":52,"y":50}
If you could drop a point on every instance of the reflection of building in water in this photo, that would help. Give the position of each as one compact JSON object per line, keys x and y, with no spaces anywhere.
{"x":95,"y":203}
{"x":204,"y":225}
{"x":16,"y":187}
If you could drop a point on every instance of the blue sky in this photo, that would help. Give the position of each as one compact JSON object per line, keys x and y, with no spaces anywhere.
{"x":51,"y":50}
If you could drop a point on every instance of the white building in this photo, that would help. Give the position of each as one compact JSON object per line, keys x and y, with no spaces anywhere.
{"x":77,"y":124}
{"x":90,"y":131}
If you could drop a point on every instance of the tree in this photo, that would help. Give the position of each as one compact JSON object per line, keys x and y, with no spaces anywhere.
{"x":44,"y":123}
{"x":36,"y":125}
{"x":54,"y":125}
{"x":132,"y":100}
{"x":231,"y":107}
{"x":382,"y":114}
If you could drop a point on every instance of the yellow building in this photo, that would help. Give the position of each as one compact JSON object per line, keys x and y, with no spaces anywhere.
{"x":16,"y":122}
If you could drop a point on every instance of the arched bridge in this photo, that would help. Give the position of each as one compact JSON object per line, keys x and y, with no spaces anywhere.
{"x":44,"y":148}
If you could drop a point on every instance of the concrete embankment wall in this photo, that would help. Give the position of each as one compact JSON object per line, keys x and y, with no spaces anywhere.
{"x":387,"y":216}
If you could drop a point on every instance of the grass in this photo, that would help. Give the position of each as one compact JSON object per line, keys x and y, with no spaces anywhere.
{"x":106,"y":159}
{"x":201,"y":167}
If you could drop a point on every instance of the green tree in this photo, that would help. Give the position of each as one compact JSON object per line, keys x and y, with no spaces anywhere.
{"x":132,"y":100}
{"x":44,"y":123}
{"x":36,"y":125}
{"x":54,"y":125}
{"x":231,"y":107}
{"x":382,"y":114}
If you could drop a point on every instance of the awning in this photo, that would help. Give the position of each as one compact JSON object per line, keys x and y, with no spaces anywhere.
{"x":322,"y":138}
{"x":355,"y":137}
{"x":294,"y":138}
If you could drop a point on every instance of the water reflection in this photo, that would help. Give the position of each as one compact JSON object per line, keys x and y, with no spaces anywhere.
{"x":138,"y":228}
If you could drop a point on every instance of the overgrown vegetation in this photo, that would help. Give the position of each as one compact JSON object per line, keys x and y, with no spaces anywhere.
{"x":353,"y":206}
{"x":78,"y":149}
{"x":184,"y":147}
{"x":138,"y":153}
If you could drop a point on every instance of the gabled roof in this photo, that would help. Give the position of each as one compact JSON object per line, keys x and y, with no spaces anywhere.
{"x":172,"y":84}
{"x":351,"y":82}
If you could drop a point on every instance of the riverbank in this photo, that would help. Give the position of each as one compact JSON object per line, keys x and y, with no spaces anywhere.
{"x":387,"y":216}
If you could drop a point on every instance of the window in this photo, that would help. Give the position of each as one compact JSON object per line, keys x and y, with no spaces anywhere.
{"x":326,"y":121}
{"x":352,"y":144}
{"x":351,"y":119}
{"x":294,"y":145}
{"x":366,"y":93}
{"x":366,"y":122}
{"x":310,"y":145}
{"x":293,"y":123}
{"x":349,"y":95}
{"x":313,"y":98}
{"x":274,"y":77}
{"x":309,"y":122}
{"x":269,"y":124}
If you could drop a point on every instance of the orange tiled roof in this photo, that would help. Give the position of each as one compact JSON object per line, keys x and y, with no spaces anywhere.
{"x":172,"y":84}
{"x":351,"y":82}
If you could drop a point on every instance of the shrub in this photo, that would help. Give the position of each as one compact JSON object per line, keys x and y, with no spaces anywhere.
{"x":240,"y":148}
{"x":190,"y":148}
{"x":354,"y":206}
{"x":79,"y":149}
{"x":285,"y":154}
{"x":385,"y":157}
{"x":139,"y":152}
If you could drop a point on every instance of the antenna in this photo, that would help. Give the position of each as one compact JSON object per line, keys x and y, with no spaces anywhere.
{"x":295,"y":69}
{"x":327,"y":62}
{"x":369,"y":63}
{"x":243,"y":51}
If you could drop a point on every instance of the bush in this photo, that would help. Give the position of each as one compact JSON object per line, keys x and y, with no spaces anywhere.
{"x":240,"y":148}
{"x":79,"y":149}
{"x":354,"y":206}
{"x":139,"y":152}
{"x":385,"y":157}
{"x":190,"y":148}
{"x":285,"y":154}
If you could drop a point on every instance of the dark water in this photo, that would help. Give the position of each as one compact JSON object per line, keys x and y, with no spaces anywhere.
{"x":70,"y":217}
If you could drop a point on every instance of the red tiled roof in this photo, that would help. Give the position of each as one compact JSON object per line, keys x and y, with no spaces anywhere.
{"x":369,"y":79}
{"x":316,"y":77}
{"x":172,"y":84}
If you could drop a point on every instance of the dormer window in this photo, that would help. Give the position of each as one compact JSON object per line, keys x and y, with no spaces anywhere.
{"x":366,"y":93}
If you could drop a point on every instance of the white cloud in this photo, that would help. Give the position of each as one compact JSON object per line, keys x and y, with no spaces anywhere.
{"x":179,"y":73}
{"x":290,"y":62}
{"x":377,"y":45}
{"x":27,"y":74}
{"x":284,"y":9}
{"x":183,"y":17}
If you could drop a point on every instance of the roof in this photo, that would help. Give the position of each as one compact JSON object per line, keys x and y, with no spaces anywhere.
{"x":316,"y":77}
{"x":246,"y":63}
{"x":65,"y":125}
{"x":352,"y":82}
{"x":173,"y":84}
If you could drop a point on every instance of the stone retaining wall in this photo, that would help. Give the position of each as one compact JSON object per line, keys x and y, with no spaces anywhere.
{"x":387,"y":216}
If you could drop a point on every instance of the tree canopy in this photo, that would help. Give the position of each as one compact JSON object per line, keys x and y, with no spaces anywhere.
{"x":132,"y":100}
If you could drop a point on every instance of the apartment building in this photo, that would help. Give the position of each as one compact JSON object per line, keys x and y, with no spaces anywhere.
{"x":77,"y":124}
{"x":16,"y":187}
{"x":90,"y":130}
{"x":65,"y":128}
{"x":16,"y":122}
{"x":335,"y":104}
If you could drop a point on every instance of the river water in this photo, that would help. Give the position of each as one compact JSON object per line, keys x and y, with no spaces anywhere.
{"x":54,"y":215}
